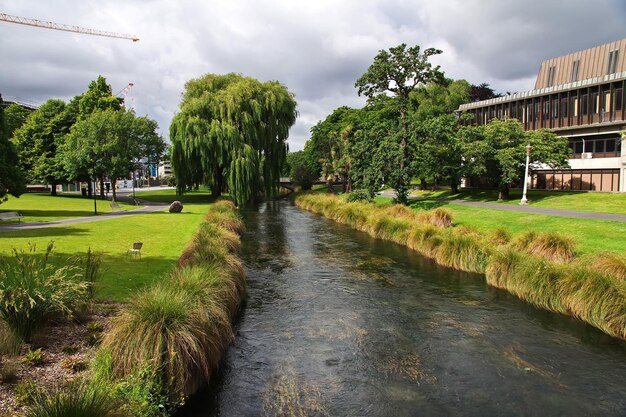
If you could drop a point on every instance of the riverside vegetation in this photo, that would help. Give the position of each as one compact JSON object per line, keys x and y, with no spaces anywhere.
{"x":541,"y":268}
{"x":168,"y":338}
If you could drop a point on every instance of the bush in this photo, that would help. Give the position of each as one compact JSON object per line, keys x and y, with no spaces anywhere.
{"x":8,"y":371}
{"x":166,"y":330}
{"x":612,"y":264}
{"x":32,"y":290}
{"x":550,"y":246}
{"x":33,"y":358}
{"x":360,"y":195}
{"x":79,"y":399}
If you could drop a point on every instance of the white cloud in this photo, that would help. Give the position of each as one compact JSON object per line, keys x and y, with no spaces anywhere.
{"x":317,"y":49}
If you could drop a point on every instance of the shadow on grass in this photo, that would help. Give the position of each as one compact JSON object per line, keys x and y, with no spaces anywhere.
{"x":491,"y":196}
{"x":53,"y":231}
{"x":121,"y":275}
{"x":427,"y":204}
{"x":57,"y":213}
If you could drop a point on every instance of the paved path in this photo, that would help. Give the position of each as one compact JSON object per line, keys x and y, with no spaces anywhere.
{"x":148,"y":208}
{"x":524,"y":209}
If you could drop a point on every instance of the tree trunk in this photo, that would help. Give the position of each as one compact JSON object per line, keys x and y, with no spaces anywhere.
{"x":504,"y":192}
{"x":423,"y":184}
{"x":113,"y":186}
{"x":89,"y":189}
{"x":454,"y":186}
{"x":216,"y":187}
{"x":329,"y":184}
{"x":101,"y":188}
{"x":349,"y":183}
{"x":53,"y":189}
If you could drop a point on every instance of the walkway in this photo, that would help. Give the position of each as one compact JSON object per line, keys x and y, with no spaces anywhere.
{"x":523,"y":209}
{"x":148,"y":208}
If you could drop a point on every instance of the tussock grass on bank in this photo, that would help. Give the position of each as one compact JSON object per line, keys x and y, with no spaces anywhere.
{"x":540,"y":268}
{"x":177,"y":331}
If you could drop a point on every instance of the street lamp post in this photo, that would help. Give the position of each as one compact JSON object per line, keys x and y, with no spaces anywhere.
{"x":524,"y":200}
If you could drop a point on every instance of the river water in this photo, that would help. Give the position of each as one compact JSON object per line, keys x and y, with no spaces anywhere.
{"x":340,"y":324}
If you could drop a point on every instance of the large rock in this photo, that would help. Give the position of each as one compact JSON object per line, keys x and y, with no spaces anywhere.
{"x":176,"y":207}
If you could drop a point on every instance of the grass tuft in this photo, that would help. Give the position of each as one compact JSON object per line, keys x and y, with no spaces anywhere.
{"x":79,"y":399}
{"x":612,"y":264}
{"x":550,"y":246}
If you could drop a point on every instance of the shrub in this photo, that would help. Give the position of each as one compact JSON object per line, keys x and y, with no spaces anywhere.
{"x":612,"y":264}
{"x":79,"y":399}
{"x":32,"y":290}
{"x":439,"y":217}
{"x":74,"y":364}
{"x":550,"y":246}
{"x":166,"y":330}
{"x":25,"y":392}
{"x":359,"y":195}
{"x":463,"y":252}
{"x":33,"y":358}
{"x":500,"y":236}
{"x":8,"y":371}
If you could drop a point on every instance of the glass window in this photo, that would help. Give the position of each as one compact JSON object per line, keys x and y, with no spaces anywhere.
{"x":599,"y":146}
{"x":578,"y":147}
{"x":564,"y":107}
{"x":594,"y":103}
{"x":575,"y":67}
{"x":610,"y":145}
{"x":583,"y":105}
{"x":612,"y":64}
{"x":618,"y":99}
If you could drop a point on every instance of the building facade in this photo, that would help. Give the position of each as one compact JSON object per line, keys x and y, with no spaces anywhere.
{"x":579,"y":96}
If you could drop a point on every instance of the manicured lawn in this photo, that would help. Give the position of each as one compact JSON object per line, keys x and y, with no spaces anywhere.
{"x":164,"y":236}
{"x":580,"y":201}
{"x":42,"y":207}
{"x":592,"y":235}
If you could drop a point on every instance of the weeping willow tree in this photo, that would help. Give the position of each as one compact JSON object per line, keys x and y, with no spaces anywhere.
{"x":231,"y":134}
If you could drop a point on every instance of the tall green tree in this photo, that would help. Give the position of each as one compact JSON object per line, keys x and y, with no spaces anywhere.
{"x":38,"y":141}
{"x":497,"y":151}
{"x":15,"y":116}
{"x":400,"y":71}
{"x":301,"y":171}
{"x":12,"y":180}
{"x":231,"y":133}
{"x":108,"y":143}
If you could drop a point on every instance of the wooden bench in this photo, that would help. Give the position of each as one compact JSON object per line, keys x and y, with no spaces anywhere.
{"x":9,"y":215}
{"x":115,"y":206}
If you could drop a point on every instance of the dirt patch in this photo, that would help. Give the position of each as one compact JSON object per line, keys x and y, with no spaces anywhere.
{"x":66,"y":349}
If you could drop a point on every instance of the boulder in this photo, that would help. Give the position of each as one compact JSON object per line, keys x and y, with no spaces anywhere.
{"x":176,"y":207}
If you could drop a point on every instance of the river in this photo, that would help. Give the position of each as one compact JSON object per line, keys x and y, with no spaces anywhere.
{"x":340,"y":324}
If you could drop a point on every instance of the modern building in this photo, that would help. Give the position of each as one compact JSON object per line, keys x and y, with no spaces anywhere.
{"x":580,"y":96}
{"x":165,"y":169}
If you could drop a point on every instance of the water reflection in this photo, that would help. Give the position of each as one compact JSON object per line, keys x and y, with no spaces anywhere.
{"x":340,"y":324}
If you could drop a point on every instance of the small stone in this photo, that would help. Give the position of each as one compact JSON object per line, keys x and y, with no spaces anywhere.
{"x":176,"y":207}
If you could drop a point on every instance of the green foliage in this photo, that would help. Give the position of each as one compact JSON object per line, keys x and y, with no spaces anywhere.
{"x":32,"y":290}
{"x":33,"y":358}
{"x":25,"y":392}
{"x":553,"y":246}
{"x":497,"y":151}
{"x":360,"y":195}
{"x":301,"y":171}
{"x":230,"y":133}
{"x":15,"y":116}
{"x":400,"y":71}
{"x":12,"y":180}
{"x":176,"y":332}
{"x":38,"y":142}
{"x":79,"y":399}
{"x":608,"y":263}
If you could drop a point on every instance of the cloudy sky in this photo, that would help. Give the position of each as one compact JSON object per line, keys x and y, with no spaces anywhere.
{"x":317,"y":48}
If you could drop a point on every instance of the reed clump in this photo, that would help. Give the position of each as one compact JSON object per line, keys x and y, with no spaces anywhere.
{"x":549,"y":245}
{"x":539,"y":268}
{"x":175,"y":333}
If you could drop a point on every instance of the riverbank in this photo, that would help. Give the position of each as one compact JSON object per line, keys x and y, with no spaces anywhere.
{"x":167,"y":339}
{"x":541,"y":268}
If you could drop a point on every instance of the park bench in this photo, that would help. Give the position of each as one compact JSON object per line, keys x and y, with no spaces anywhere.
{"x":9,"y":215}
{"x":115,"y":206}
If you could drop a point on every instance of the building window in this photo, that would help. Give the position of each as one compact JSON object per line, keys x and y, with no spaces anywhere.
{"x":583,"y":105}
{"x":612,"y":64}
{"x":551,"y":73}
{"x":618,"y":99}
{"x":575,"y":68}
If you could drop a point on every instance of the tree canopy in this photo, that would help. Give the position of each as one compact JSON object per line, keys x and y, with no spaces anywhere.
{"x":231,"y":133}
{"x":12,"y":180}
{"x":400,"y":71}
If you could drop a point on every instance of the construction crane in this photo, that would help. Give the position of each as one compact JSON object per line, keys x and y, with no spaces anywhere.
{"x":59,"y":26}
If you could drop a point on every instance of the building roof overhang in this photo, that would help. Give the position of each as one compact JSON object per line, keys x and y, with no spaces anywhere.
{"x":589,"y":82}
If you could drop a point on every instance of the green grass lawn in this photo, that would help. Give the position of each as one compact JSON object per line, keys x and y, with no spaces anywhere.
{"x":164,"y":236}
{"x":580,"y":201}
{"x":592,"y":235}
{"x":42,"y":207}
